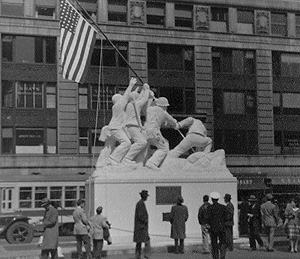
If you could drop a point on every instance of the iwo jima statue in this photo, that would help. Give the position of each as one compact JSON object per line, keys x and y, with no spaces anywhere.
{"x":127,"y":139}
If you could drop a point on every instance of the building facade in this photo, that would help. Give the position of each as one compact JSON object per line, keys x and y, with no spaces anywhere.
{"x":233,"y":63}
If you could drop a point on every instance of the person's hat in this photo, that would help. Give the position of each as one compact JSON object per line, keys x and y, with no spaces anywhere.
{"x":215,"y":195}
{"x":162,"y":101}
{"x":227,"y":196}
{"x":252,"y":198}
{"x":144,"y":193}
{"x":180,"y":199}
{"x":269,"y":196}
{"x":44,"y":202}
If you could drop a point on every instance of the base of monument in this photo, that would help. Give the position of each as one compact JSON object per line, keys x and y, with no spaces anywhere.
{"x":117,"y":190}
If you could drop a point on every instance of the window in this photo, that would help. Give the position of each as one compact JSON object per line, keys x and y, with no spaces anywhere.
{"x":7,"y":141}
{"x":7,"y":94}
{"x":171,"y":57}
{"x":286,"y":64}
{"x":236,"y":141}
{"x":12,"y":8}
{"x":279,"y":24}
{"x":287,"y":142}
{"x":56,"y":194}
{"x":156,"y":13}
{"x":89,"y":141}
{"x":110,"y":57}
{"x":25,"y":197}
{"x":117,"y":11}
{"x":219,"y":14}
{"x":106,"y":93}
{"x":7,"y":48}
{"x":45,"y":12}
{"x":286,"y":103}
{"x":29,"y":95}
{"x":50,"y":95}
{"x":297,"y":25}
{"x":83,"y":96}
{"x":183,"y":16}
{"x":245,"y":21}
{"x":70,"y":196}
{"x":38,"y":49}
{"x":83,"y":141}
{"x":40,"y":193}
{"x":182,"y":100}
{"x":240,"y":62}
{"x":234,"y":102}
{"x":51,"y":141}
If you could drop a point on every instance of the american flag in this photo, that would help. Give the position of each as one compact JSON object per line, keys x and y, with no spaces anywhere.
{"x":77,"y":39}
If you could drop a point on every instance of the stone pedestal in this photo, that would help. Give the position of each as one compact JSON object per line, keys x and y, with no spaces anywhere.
{"x":117,"y":190}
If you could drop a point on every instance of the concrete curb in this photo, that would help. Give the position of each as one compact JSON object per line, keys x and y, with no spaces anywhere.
{"x":69,"y":250}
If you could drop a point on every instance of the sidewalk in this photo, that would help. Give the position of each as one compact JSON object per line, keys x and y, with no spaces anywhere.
{"x":125,"y":247}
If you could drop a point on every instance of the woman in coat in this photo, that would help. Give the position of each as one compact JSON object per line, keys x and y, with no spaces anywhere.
{"x":50,"y":237}
{"x":178,"y":216}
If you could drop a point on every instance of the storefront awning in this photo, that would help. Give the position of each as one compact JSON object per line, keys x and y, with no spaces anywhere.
{"x":251,"y":184}
{"x":286,"y":180}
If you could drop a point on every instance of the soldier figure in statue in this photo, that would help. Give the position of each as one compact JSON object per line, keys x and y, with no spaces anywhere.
{"x":134,"y":125}
{"x":157,"y":116}
{"x":195,"y":137}
{"x":116,"y":125}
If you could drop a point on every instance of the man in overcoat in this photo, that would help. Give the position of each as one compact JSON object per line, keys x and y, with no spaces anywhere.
{"x":99,"y":223}
{"x":229,"y":221}
{"x":270,"y":220}
{"x":254,"y":219}
{"x":178,"y":216}
{"x":217,"y":214}
{"x":50,"y":236}
{"x":81,"y":230}
{"x":141,"y":234}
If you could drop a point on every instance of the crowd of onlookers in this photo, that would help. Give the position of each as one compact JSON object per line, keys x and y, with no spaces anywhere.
{"x":267,"y":216}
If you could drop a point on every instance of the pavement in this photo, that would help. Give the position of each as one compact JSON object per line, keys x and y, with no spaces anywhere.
{"x":120,"y":248}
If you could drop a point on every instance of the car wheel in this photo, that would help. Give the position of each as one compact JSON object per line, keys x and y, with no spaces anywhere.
{"x":19,"y":232}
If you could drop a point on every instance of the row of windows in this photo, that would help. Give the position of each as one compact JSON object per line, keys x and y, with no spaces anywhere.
{"x":39,"y":141}
{"x":63,"y":196}
{"x":155,"y":14}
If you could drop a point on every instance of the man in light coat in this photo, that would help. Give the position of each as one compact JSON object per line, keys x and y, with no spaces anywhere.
{"x":178,"y":216}
{"x":81,"y":230}
{"x":157,"y":117}
{"x":195,"y":137}
{"x":117,"y":124}
{"x":50,"y":236}
{"x":269,"y":220}
{"x":141,"y":224}
{"x":134,"y":125}
{"x":99,"y":223}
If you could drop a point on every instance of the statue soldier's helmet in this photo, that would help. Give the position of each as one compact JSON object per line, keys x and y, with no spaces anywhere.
{"x":116,"y":97}
{"x":162,"y":101}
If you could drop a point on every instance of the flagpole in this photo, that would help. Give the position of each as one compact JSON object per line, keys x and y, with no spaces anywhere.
{"x":110,"y":42}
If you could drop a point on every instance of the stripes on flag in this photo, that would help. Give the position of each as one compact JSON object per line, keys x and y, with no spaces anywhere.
{"x":77,"y":39}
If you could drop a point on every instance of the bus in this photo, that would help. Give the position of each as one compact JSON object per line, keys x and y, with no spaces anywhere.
{"x":21,"y":213}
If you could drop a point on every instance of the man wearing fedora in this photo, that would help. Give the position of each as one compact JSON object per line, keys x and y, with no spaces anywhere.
{"x":229,"y":221}
{"x":50,"y":236}
{"x":217,"y":214}
{"x":140,"y":234}
{"x":254,"y":221}
{"x":269,"y":220}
